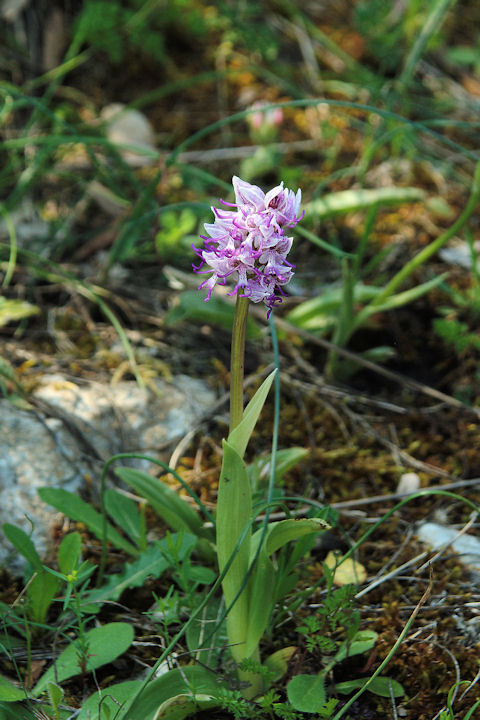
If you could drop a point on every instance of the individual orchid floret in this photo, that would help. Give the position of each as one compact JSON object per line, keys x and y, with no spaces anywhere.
{"x":249,"y":245}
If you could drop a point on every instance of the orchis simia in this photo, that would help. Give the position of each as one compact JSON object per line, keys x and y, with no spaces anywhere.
{"x":248,"y":245}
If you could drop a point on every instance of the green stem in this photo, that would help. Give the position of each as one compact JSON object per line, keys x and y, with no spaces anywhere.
{"x":237,"y":361}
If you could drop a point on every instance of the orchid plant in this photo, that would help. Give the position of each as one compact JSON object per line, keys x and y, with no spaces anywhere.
{"x":248,"y":245}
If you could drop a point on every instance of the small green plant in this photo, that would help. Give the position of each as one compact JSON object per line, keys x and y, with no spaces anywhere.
{"x":457,"y":334}
{"x":461,"y":315}
{"x":173,"y":241}
{"x":448,"y":712}
{"x":337,"y":610}
{"x":188,"y":575}
{"x":41,"y":586}
{"x":467,"y":56}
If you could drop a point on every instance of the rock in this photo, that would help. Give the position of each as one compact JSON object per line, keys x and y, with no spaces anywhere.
{"x":437,"y":536}
{"x":409,"y":483}
{"x":73,"y":429}
{"x":30,"y":230}
{"x":126,"y":126}
{"x":460,"y":254}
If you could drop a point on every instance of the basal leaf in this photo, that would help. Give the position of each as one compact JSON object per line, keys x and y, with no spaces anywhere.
{"x":40,"y":593}
{"x":74,"y":507}
{"x":183,"y":706}
{"x":124,"y":512}
{"x":234,"y":493}
{"x":262,"y":585}
{"x":10,"y":692}
{"x":378,"y":686}
{"x":362,"y":642}
{"x":120,"y":692}
{"x":277,"y":663}
{"x":104,"y":644}
{"x":15,"y":711}
{"x":69,"y":552}
{"x":284,"y":531}
{"x":189,"y":680}
{"x":261,"y":600}
{"x":307,"y":692}
{"x":206,"y":636}
{"x":23,"y":544}
{"x":167,"y":503}
{"x":151,"y":563}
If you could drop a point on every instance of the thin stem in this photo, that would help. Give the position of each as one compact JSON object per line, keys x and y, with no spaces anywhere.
{"x":239,"y":331}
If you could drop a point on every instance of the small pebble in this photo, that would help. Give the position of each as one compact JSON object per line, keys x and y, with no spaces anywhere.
{"x":408,"y":483}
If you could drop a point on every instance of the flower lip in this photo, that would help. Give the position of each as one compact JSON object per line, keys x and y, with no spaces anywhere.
{"x":249,"y":244}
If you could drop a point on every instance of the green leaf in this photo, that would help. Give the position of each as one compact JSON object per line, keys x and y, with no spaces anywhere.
{"x":320,"y":312}
{"x":23,"y":544}
{"x":104,"y":644}
{"x":192,"y":307}
{"x":469,"y":714}
{"x":307,"y":692}
{"x":151,"y":563}
{"x":124,"y":512}
{"x":40,"y":593}
{"x":201,"y":575}
{"x":10,"y":692}
{"x":69,"y":552}
{"x":280,"y":533}
{"x":262,"y":585}
{"x":15,"y":711}
{"x":352,"y":200}
{"x":74,"y":507}
{"x":121,"y":692}
{"x":234,"y":509}
{"x":13,"y":310}
{"x":277,"y":663}
{"x":55,"y":693}
{"x":261,"y":600}
{"x":11,"y":620}
{"x":239,"y":437}
{"x":205,"y":633}
{"x":259,"y":470}
{"x":380,"y":685}
{"x":189,"y":680}
{"x":378,"y":354}
{"x":167,"y":503}
{"x":402,"y":298}
{"x":183,"y":706}
{"x":362,"y":642}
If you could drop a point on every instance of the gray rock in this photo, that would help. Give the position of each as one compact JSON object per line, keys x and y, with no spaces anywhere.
{"x":73,"y":429}
{"x":126,"y":126}
{"x":439,"y":537}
